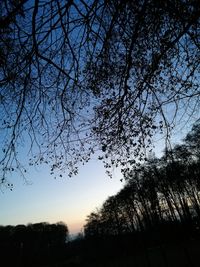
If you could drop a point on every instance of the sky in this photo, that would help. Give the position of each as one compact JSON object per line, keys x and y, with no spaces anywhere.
{"x":45,"y":199}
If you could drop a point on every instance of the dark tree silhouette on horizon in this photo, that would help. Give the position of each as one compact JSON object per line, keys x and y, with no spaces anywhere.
{"x":78,"y":77}
{"x":160,"y":201}
{"x":33,"y":244}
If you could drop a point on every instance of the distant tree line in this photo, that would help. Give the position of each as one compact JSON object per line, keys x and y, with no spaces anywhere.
{"x":38,"y":234}
{"x":163,"y":191}
{"x":26,"y":245}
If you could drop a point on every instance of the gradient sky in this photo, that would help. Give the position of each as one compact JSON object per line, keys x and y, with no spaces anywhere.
{"x":45,"y":199}
{"x":64,"y":199}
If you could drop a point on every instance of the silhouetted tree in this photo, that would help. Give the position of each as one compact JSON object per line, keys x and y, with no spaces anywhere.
{"x":159,"y":193}
{"x":93,"y":226}
{"x":192,"y":140}
{"x":34,"y":236}
{"x":77,"y":76}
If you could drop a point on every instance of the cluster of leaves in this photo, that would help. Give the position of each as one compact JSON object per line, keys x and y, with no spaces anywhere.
{"x":161,"y":190}
{"x":81,"y":76}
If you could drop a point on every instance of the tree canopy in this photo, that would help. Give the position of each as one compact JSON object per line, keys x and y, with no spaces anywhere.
{"x":81,"y":76}
{"x":33,"y":244}
{"x":162,"y":192}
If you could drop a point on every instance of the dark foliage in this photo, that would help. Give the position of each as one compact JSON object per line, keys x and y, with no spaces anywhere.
{"x":153,"y":221}
{"x":81,"y":76}
{"x":33,"y":244}
{"x":159,"y":193}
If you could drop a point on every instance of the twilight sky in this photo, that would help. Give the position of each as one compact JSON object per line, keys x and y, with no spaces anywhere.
{"x":70,"y":200}
{"x":52,"y":200}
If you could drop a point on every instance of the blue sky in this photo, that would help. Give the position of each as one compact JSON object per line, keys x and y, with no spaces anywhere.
{"x":64,"y":199}
{"x":45,"y":199}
